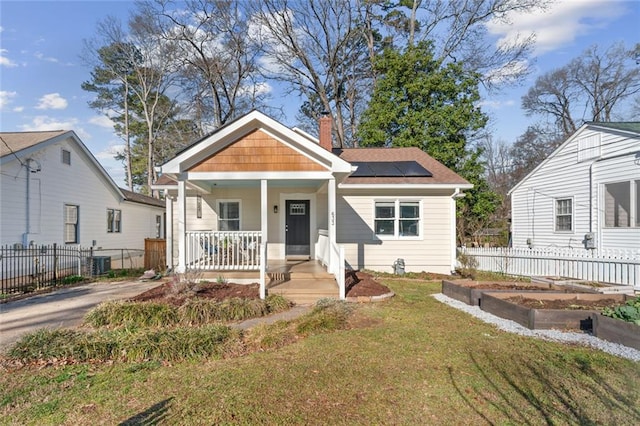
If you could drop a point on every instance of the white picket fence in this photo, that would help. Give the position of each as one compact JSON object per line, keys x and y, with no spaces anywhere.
{"x":612,"y":266}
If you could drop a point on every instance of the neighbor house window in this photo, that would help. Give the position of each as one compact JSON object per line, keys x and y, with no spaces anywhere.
{"x":564,"y":214}
{"x":66,"y":157}
{"x":158,"y":226}
{"x":617,"y":205}
{"x":71,"y":215}
{"x":229,"y":215}
{"x":397,"y":218}
{"x":114,"y":220}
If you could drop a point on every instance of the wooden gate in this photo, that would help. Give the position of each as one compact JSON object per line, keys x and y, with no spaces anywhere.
{"x":155,"y":254}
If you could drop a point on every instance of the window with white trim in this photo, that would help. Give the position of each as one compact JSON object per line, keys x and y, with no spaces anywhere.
{"x":158,"y":226}
{"x":397,"y":219}
{"x":228,"y":215}
{"x":114,"y":220}
{"x":71,"y":216}
{"x":617,"y":205}
{"x":564,"y":214}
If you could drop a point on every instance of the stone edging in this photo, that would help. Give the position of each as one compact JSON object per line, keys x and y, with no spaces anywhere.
{"x":370,"y":299}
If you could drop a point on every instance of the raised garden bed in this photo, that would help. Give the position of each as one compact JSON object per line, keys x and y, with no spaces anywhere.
{"x":546,"y":310}
{"x":616,"y":330}
{"x":584,"y":286}
{"x":470,"y":292}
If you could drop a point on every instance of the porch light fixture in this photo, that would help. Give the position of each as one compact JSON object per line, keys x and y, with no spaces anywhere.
{"x":275,"y":208}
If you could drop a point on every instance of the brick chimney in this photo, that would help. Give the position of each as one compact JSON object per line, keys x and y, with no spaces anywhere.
{"x":326,"y":123}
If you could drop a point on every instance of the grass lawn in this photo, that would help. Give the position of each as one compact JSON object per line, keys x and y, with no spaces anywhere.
{"x":411,"y":360}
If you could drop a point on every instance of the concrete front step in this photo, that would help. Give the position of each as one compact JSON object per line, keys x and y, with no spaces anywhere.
{"x":304,"y":292}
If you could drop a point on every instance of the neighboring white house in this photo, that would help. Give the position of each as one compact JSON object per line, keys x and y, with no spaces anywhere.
{"x":53,"y":190}
{"x":586,"y":194}
{"x":256,"y":184}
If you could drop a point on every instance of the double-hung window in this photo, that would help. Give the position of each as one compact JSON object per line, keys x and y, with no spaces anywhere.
{"x":229,"y":215}
{"x":397,"y":219}
{"x":71,"y":216}
{"x":564,"y":214}
{"x":114,"y":220}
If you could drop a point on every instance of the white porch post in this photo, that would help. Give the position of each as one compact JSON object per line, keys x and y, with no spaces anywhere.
{"x":168,"y":231}
{"x":331,"y":220}
{"x":182,"y":226}
{"x":264,"y":220}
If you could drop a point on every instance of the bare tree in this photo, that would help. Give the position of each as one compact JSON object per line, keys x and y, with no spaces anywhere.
{"x":216,"y":55}
{"x":592,"y":87}
{"x":318,"y":49}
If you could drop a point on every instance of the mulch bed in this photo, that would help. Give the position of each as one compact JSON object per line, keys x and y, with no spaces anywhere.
{"x":357,"y":284}
{"x":563,"y":304}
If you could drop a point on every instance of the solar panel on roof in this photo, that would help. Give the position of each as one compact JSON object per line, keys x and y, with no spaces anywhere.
{"x":390,"y":169}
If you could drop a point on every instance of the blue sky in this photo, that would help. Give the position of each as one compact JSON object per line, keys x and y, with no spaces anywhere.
{"x":41,"y":70}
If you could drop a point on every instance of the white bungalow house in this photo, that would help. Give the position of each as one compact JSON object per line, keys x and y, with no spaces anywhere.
{"x":53,"y":190}
{"x":256,"y":192}
{"x":586,"y":194}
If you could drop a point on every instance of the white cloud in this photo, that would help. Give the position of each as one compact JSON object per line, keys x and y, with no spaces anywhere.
{"x":43,"y":122}
{"x":52,"y":101}
{"x":110,"y":152}
{"x":45,"y":58}
{"x":560,"y":24}
{"x":101,"y":121}
{"x":4,"y":61}
{"x":18,"y":109}
{"x":5,"y":98}
{"x":498,"y":104}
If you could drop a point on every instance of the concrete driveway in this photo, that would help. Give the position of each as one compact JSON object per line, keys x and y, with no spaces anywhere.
{"x":61,"y":308}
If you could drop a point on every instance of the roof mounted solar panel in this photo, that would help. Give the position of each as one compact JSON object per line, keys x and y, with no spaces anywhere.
{"x":390,"y":169}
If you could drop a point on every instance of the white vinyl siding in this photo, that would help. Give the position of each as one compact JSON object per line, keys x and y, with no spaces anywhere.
{"x":533,"y":199}
{"x":363,"y":249}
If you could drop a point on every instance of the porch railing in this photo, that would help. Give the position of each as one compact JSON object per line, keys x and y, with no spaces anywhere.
{"x":223,"y":250}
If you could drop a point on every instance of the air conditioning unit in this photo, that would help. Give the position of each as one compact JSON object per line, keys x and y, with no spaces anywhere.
{"x":101,"y":265}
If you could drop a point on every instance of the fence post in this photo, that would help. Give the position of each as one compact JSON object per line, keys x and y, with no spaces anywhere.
{"x":55,"y":263}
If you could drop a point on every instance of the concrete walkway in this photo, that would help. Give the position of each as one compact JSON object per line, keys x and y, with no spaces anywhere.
{"x":61,"y":308}
{"x":67,"y":307}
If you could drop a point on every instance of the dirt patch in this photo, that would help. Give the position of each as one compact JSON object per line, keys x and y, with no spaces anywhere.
{"x":564,"y":304}
{"x":357,"y":284}
{"x":507,"y":286}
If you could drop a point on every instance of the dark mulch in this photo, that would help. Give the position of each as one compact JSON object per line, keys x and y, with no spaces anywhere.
{"x":360,"y":284}
{"x":357,"y":284}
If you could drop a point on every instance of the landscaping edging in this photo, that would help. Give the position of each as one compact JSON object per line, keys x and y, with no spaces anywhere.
{"x":495,"y":303}
{"x":579,"y":285}
{"x":370,"y":299}
{"x":616,"y":330}
{"x":473,"y":295}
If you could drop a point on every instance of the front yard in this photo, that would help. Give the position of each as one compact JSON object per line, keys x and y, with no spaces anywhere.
{"x":409,"y":360}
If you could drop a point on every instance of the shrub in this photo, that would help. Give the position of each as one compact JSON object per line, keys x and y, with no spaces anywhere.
{"x":629,"y":312}
{"x":72,"y":279}
{"x":327,"y":315}
{"x":118,"y":314}
{"x":468,"y":266}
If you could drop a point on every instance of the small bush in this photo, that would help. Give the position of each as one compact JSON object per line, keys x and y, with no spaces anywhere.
{"x":327,"y":315}
{"x":277,"y":303}
{"x":468,"y":266}
{"x":72,"y":279}
{"x":629,"y":312}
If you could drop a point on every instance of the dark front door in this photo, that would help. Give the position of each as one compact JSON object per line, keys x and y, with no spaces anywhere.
{"x":297,"y":228}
